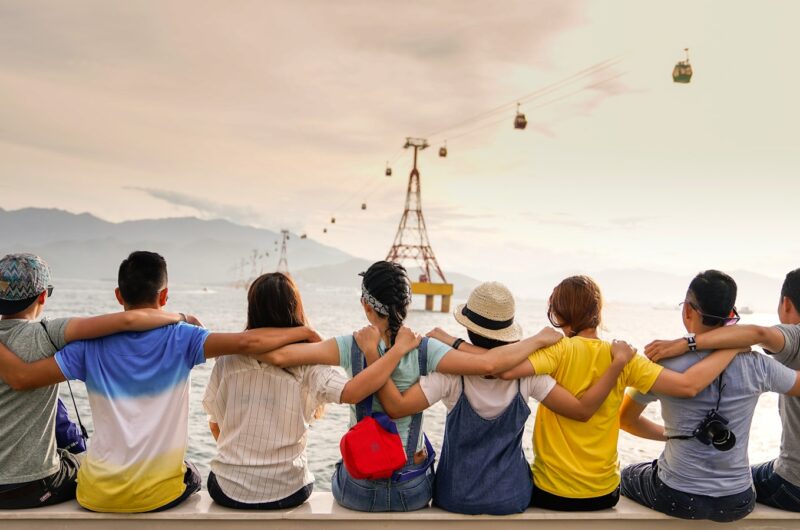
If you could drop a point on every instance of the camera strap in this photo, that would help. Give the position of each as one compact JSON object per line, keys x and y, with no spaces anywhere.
{"x":721,"y":386}
{"x":84,"y":432}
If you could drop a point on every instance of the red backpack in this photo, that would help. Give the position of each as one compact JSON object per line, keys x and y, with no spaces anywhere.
{"x":372,"y":448}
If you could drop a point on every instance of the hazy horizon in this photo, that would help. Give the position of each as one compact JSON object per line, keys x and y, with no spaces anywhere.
{"x":283,"y":114}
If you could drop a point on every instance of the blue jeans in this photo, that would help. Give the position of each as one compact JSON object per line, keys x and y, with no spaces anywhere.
{"x":773,"y":490}
{"x":640,"y":483}
{"x":381,"y":495}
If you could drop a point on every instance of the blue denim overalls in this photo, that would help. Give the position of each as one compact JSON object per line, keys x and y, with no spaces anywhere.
{"x":411,"y":487}
{"x":482,"y":467}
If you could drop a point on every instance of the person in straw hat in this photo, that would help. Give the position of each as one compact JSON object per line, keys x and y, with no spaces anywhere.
{"x":482,"y":467}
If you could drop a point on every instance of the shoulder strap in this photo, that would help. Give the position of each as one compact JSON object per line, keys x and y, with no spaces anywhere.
{"x":423,"y":356}
{"x":416,"y":421}
{"x":357,"y":363}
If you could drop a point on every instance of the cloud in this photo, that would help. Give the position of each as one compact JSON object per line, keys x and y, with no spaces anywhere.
{"x":205,"y":208}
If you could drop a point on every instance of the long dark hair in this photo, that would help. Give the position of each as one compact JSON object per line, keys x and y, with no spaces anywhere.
{"x":389,"y":284}
{"x":273,"y":301}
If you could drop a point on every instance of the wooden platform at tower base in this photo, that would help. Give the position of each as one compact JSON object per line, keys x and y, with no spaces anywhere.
{"x":430,"y":290}
{"x":321,"y":512}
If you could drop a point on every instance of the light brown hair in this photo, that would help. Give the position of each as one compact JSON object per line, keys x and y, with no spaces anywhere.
{"x":576,"y":302}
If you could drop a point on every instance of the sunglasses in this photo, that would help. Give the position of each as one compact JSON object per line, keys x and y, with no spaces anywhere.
{"x":730,"y":320}
{"x":49,"y":291}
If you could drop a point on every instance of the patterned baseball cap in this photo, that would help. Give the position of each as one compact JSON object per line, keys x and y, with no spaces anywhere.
{"x":23,"y":277}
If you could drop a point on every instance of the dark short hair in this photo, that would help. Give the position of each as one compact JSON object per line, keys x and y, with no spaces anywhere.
{"x":141,"y":276}
{"x":715,"y":294}
{"x":484,"y":342}
{"x":273,"y":301}
{"x":791,"y":288}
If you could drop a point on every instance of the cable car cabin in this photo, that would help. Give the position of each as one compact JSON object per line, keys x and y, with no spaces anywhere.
{"x":442,"y":152}
{"x":303,"y":236}
{"x":324,"y":230}
{"x":520,"y":122}
{"x":682,"y":73}
{"x":363,"y":206}
{"x":388,"y":171}
{"x":333,"y":220}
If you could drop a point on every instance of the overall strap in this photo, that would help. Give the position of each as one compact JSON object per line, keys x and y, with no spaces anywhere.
{"x":357,"y":363}
{"x":416,"y":421}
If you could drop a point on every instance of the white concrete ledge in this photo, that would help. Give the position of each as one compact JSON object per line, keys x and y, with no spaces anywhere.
{"x":322,"y":512}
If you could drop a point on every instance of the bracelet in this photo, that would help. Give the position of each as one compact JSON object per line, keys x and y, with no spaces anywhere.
{"x":457,"y":343}
{"x":183,"y":317}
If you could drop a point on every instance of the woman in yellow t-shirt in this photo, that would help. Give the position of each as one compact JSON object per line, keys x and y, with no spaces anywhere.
{"x":575,"y":467}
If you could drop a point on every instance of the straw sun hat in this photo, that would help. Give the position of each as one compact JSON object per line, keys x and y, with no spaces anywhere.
{"x":489,"y":312}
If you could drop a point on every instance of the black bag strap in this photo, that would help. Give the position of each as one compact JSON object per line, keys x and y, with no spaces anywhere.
{"x":84,"y":432}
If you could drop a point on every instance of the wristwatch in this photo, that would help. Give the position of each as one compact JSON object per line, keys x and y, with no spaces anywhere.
{"x":690,"y":338}
{"x":457,"y":343}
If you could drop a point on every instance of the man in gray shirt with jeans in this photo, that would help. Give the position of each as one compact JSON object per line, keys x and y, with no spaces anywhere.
{"x":777,"y":482}
{"x":703,"y":472}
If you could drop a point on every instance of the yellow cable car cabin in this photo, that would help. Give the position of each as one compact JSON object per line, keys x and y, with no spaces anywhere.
{"x":682,"y":73}
{"x":520,"y":122}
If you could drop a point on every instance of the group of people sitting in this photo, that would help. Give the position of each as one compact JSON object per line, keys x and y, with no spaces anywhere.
{"x":272,"y":380}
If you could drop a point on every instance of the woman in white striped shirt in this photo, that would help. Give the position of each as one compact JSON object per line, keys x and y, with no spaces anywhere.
{"x":259,"y":413}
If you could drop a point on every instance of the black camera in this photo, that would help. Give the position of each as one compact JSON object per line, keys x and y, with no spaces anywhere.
{"x":713,"y":430}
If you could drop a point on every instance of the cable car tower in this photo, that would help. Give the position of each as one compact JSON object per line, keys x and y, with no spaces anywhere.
{"x":283,"y":264}
{"x":411,"y":241}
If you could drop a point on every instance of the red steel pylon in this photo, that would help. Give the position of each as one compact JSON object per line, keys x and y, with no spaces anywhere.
{"x":411,"y":241}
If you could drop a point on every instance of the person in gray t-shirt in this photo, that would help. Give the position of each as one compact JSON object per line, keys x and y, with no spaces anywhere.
{"x":703,"y":472}
{"x":33,"y":472}
{"x":777,"y":482}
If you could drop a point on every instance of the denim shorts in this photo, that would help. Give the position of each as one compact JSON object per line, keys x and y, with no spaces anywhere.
{"x":381,"y":495}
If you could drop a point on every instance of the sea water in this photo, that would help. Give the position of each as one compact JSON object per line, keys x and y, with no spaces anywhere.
{"x":336,"y":311}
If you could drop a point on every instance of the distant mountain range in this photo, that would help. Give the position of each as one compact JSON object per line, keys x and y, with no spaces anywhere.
{"x":198,"y":251}
{"x":209,"y":252}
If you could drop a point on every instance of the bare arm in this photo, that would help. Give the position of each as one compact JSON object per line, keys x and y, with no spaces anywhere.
{"x":496,"y":360}
{"x":395,"y":404}
{"x":103,"y":325}
{"x":632,"y":421}
{"x":523,"y":369}
{"x":325,"y":352}
{"x":20,"y":375}
{"x":560,"y":401}
{"x":696,"y":378}
{"x":738,"y":336}
{"x":255,"y":342}
{"x":442,"y":336}
{"x":377,"y":373}
{"x":214,"y":429}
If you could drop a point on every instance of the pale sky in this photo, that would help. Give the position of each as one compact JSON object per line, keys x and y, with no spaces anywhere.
{"x":282,"y":114}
